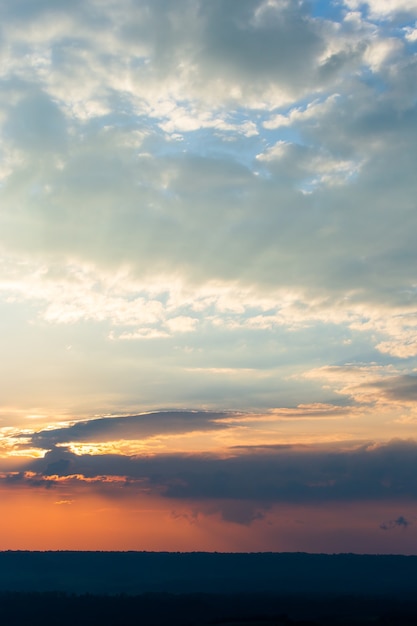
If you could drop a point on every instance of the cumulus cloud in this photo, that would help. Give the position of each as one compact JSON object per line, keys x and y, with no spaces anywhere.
{"x":230,"y":183}
{"x":238,"y":46}
{"x":385,"y":8}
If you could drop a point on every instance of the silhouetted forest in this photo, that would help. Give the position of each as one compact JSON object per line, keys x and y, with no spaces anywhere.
{"x":175,"y":572}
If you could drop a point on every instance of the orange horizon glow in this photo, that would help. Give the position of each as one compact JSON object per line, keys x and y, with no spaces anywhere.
{"x":53,"y":519}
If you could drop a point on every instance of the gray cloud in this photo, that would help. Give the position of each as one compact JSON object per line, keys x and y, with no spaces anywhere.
{"x":131,"y":427}
{"x":400,"y":522}
{"x":258,"y":478}
{"x":402,"y":388}
{"x":37,"y":125}
{"x":255,"y":42}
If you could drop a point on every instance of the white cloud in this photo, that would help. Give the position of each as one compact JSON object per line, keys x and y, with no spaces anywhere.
{"x":384,"y":8}
{"x":182,"y":324}
{"x":233,"y":181}
{"x":381,"y":52}
{"x":312,"y":111}
{"x":410,"y":34}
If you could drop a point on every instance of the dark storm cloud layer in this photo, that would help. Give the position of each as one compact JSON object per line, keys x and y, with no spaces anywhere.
{"x":131,"y":427}
{"x":288,"y":475}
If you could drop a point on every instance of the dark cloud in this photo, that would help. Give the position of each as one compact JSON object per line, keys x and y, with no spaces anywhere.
{"x":251,"y":41}
{"x":305,"y":475}
{"x":400,"y":388}
{"x":239,"y":511}
{"x":247,"y":45}
{"x":400,"y":522}
{"x":131,"y":427}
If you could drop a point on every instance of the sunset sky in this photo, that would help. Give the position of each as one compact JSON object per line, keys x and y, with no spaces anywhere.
{"x":208,"y":275}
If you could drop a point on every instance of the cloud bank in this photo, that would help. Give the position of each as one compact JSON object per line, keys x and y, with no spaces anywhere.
{"x":256,"y":478}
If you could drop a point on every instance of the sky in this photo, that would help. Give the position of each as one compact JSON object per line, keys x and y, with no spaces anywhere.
{"x":208,"y":275}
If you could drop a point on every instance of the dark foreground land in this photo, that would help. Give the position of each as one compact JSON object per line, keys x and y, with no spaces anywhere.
{"x":200,"y":609}
{"x":196,"y":589}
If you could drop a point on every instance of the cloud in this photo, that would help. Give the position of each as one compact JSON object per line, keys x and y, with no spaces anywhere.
{"x":400,"y":388}
{"x":37,"y":125}
{"x":237,"y":511}
{"x":251,"y":48}
{"x":400,"y":522}
{"x":221,"y":187}
{"x":370,"y":384}
{"x":254,"y":479}
{"x":242,"y":484}
{"x":134,"y":427}
{"x":385,"y":8}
